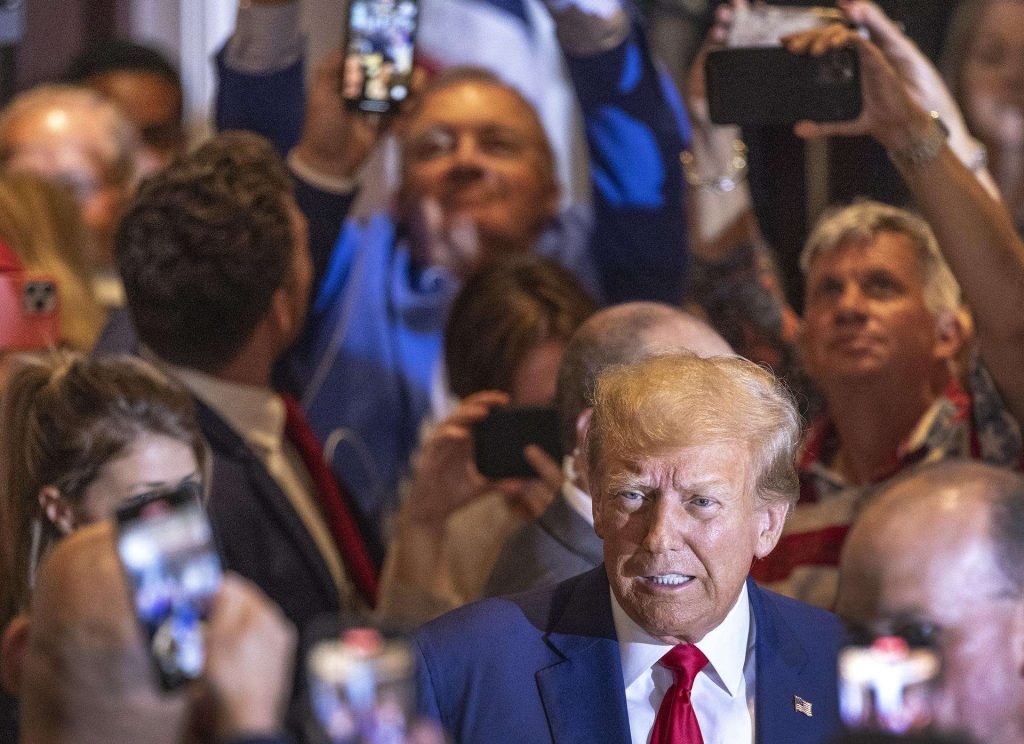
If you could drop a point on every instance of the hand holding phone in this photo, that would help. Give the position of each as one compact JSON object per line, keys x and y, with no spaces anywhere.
{"x":379,"y":45}
{"x":166,"y":547}
{"x":756,"y":81}
{"x":499,"y":440}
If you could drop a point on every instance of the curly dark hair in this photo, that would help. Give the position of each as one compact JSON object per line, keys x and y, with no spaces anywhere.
{"x":204,"y":246}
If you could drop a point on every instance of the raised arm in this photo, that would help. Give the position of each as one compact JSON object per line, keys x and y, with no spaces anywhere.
{"x":635,"y":128}
{"x":974,"y":229}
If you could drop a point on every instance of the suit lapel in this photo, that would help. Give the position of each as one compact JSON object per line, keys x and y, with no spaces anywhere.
{"x":225,"y":441}
{"x":781,"y":659}
{"x":583,"y":695}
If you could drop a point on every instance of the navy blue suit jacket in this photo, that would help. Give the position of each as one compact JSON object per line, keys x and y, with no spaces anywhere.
{"x":544,"y":667}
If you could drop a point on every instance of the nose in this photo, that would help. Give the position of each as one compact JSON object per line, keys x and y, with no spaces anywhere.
{"x":851,"y":303}
{"x":665,"y":526}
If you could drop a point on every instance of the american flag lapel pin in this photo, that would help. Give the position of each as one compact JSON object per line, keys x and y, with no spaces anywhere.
{"x":802,"y":706}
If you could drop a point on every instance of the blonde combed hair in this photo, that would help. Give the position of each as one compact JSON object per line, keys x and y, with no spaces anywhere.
{"x":664,"y":403}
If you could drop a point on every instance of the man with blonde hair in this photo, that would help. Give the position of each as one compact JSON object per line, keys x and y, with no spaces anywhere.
{"x":690,"y":465}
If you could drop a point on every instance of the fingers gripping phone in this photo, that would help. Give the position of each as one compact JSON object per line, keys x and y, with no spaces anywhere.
{"x":499,"y":440}
{"x":167,"y":550}
{"x":756,"y":82}
{"x":379,"y":45}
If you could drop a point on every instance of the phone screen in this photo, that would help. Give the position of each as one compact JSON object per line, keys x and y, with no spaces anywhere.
{"x":379,"y":53}
{"x":362,"y":687}
{"x":887,"y":686}
{"x":166,"y":546}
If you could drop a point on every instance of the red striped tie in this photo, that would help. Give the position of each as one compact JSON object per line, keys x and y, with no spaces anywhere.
{"x":676,"y":722}
{"x":334,"y":504}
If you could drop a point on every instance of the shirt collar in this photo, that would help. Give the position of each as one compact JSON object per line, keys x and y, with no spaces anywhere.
{"x":578,"y":500}
{"x":930,"y":433}
{"x":257,"y":414}
{"x":726,"y":646}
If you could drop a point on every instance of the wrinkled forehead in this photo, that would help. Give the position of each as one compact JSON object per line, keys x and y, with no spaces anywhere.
{"x":477,"y":104}
{"x":886,"y":250}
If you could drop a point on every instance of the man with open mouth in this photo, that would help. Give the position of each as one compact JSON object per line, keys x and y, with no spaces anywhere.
{"x":690,"y":463}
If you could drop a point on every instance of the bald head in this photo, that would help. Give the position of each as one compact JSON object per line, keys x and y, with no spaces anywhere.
{"x":76,"y":137}
{"x":623,"y":334}
{"x":86,"y":677}
{"x":939,"y":553}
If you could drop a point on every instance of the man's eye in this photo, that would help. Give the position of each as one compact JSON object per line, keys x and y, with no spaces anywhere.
{"x":702,"y":502}
{"x":827,"y":289}
{"x":882,"y":287}
{"x":919,"y":633}
{"x":429,"y":145}
{"x":501,"y":145}
{"x":631,"y":496}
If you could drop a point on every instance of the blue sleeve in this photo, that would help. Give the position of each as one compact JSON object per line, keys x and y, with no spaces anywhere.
{"x":272,"y":104}
{"x":426,"y":698}
{"x":325,"y":212}
{"x":636,"y":129}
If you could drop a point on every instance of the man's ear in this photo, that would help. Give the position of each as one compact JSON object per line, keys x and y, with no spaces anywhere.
{"x":950,"y":334}
{"x":56,"y":509}
{"x":13,"y":645}
{"x":579,"y":454}
{"x":772,"y":518}
{"x":282,"y":312}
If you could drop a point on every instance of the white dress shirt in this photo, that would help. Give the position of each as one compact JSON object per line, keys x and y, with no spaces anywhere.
{"x":722,"y":694}
{"x":257,"y":415}
{"x":579,"y":501}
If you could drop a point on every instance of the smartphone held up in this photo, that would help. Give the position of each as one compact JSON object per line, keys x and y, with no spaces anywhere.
{"x":166,"y":548}
{"x":379,"y":45}
{"x":755,"y":81}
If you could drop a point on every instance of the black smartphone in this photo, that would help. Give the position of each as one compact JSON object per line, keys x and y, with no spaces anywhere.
{"x":758,"y":86}
{"x":167,"y":549}
{"x":379,"y":45}
{"x":499,"y":439}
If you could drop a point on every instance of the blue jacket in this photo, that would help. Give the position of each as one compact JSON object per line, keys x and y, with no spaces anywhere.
{"x":544,"y":667}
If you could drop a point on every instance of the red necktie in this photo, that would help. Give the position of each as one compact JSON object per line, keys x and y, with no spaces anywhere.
{"x":333,"y":502}
{"x":676,"y":722}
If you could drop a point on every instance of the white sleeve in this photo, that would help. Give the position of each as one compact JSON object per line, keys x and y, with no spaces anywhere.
{"x":587,"y":27}
{"x":267,"y":38}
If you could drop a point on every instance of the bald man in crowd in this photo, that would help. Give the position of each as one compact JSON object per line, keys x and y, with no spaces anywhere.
{"x":939,"y":554}
{"x":78,"y":138}
{"x":83,"y":675}
{"x":562,"y":542}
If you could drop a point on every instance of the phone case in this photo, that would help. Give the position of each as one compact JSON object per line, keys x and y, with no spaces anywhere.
{"x":500,"y":438}
{"x":766,"y":86}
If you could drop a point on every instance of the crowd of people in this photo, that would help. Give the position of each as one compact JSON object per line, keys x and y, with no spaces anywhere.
{"x":301,"y":338}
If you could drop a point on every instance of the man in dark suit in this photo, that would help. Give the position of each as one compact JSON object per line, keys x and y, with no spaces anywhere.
{"x":690,"y":462}
{"x":217,"y":273}
{"x":562,"y":542}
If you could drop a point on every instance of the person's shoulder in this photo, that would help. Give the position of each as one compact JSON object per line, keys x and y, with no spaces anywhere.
{"x":531,"y":612}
